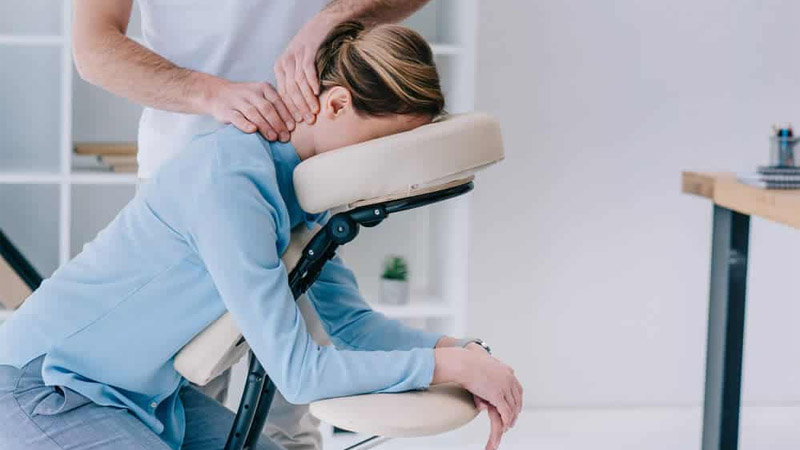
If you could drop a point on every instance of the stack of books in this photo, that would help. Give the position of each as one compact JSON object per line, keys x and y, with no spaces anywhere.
{"x":113,"y":156}
{"x":773,"y":177}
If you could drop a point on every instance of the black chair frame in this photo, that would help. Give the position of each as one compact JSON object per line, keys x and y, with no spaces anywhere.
{"x":339,"y":230}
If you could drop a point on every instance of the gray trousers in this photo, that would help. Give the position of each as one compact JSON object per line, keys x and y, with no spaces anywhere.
{"x":38,"y":417}
{"x":291,"y":426}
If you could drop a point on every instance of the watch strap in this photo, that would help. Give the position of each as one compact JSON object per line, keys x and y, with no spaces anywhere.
{"x":465,"y":342}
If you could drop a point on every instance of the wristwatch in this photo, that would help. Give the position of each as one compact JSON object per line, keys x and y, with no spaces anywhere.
{"x":465,"y":342}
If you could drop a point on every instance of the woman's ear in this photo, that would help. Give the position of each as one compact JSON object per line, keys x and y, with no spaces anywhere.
{"x":337,"y":102}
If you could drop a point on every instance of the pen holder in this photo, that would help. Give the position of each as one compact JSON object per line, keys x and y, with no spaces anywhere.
{"x":781,"y":151}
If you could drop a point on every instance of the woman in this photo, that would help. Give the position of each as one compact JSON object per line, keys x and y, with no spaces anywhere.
{"x":86,"y":363}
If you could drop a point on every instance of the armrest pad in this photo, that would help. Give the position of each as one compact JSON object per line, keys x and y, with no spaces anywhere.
{"x":437,"y":410}
{"x":220,"y":345}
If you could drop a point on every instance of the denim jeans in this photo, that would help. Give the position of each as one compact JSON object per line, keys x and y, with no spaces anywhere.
{"x":38,"y":417}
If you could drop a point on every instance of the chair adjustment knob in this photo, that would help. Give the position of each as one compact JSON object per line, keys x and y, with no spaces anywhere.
{"x":342,"y":229}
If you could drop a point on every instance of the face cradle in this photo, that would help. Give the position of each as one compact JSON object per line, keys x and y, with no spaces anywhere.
{"x":375,"y":81}
{"x":338,"y":125}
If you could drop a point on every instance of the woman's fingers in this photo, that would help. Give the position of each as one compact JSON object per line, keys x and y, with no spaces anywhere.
{"x":517,"y":405}
{"x":480,"y":403}
{"x":517,"y":392}
{"x":492,"y":381}
{"x":512,"y":397}
{"x":504,"y":408}
{"x":496,"y":430}
{"x":514,"y":409}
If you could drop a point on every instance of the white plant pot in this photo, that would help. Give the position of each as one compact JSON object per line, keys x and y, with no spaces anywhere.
{"x":394,"y":292}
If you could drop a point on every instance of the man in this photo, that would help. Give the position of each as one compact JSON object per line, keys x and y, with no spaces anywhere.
{"x":206,"y":63}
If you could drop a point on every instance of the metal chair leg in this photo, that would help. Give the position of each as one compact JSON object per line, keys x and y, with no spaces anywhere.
{"x":253,"y":389}
{"x":260,"y":419}
{"x":368,"y":443}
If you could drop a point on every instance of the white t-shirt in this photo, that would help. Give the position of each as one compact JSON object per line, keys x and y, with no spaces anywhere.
{"x":239,"y":40}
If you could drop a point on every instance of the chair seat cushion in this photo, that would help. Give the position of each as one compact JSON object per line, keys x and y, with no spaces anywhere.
{"x":399,"y":165}
{"x":437,"y":410}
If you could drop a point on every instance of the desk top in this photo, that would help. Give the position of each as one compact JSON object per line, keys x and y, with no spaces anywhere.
{"x":782,"y":206}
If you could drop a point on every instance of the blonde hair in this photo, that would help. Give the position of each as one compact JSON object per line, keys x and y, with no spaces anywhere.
{"x":388,"y":69}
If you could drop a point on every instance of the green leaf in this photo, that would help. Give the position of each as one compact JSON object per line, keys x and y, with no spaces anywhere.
{"x":395,"y":268}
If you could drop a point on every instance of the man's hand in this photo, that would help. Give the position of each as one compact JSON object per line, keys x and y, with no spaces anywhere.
{"x":298,"y":82}
{"x":104,"y":56}
{"x":249,"y":107}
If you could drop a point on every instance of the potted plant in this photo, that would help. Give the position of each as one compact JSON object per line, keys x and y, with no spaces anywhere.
{"x":394,"y":281}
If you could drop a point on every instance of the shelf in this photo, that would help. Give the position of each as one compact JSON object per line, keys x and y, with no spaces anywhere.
{"x":97,"y":177}
{"x":416,"y":309}
{"x":31,"y":41}
{"x":30,"y":178}
{"x":446,"y":49}
{"x":79,"y":177}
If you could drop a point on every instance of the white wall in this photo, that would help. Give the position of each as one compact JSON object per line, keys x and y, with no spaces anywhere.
{"x":582,"y":242}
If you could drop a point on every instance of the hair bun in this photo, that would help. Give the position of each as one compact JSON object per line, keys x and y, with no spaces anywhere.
{"x":343,"y":34}
{"x":388,"y":69}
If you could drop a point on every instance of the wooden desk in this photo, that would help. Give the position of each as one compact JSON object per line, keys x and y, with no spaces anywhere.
{"x":782,"y":206}
{"x":734,"y":203}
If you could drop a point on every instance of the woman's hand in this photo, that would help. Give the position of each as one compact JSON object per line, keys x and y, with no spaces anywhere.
{"x":496,"y":423}
{"x":486,"y":378}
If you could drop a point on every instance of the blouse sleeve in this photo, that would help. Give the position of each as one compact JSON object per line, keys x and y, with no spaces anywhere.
{"x":349,"y":320}
{"x":237,"y":227}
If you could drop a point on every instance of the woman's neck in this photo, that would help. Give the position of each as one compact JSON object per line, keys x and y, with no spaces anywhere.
{"x":303,"y":141}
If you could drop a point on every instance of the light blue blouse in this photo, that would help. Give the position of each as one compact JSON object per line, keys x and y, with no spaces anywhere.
{"x":206,"y":235}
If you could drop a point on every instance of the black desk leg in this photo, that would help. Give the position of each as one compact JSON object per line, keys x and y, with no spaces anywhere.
{"x":726,"y":314}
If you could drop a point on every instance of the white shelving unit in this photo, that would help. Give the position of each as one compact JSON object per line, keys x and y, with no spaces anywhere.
{"x":50,"y":209}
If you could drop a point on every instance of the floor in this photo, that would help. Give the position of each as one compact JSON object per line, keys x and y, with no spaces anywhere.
{"x":772,"y":428}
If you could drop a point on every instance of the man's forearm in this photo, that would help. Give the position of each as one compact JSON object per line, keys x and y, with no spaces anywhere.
{"x":122,"y":66}
{"x":373,"y":11}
